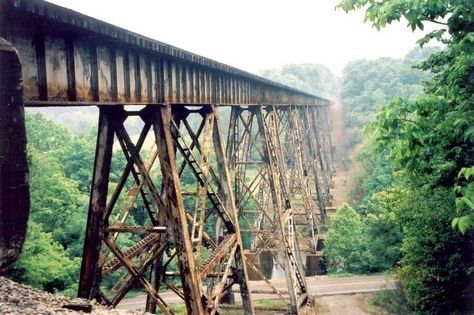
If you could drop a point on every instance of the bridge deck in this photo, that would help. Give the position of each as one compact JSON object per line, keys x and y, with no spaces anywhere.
{"x":71,"y":59}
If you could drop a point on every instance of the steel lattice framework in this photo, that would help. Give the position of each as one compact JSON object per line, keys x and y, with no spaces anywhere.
{"x":259,"y":155}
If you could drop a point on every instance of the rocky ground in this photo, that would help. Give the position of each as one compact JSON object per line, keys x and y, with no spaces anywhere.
{"x":17,"y":298}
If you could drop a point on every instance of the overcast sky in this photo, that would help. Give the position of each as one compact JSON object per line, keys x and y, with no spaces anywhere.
{"x":255,"y":34}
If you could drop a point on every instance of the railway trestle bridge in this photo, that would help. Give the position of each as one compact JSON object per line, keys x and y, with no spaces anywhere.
{"x":259,"y":155}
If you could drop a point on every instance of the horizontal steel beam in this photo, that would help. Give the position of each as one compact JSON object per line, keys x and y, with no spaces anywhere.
{"x":72,"y":59}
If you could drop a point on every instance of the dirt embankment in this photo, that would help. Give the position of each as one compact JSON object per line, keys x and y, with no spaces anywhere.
{"x":342,"y":304}
{"x":347,"y":169}
{"x":17,"y":298}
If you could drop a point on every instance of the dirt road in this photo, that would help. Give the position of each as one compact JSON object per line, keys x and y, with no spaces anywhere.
{"x":317,"y":286}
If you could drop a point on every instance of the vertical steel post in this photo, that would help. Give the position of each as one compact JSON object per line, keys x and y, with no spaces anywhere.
{"x":156,"y":272}
{"x":299,"y":165}
{"x":90,"y":275}
{"x":241,"y":268}
{"x":175,"y":212}
{"x":314,"y":161}
{"x":279,"y":205}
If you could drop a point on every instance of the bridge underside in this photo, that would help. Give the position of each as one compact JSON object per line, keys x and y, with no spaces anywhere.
{"x":227,"y":166}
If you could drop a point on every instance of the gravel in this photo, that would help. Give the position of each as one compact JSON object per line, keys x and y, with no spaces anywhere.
{"x":18,"y":298}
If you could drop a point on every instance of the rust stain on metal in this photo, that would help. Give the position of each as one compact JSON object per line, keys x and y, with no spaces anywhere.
{"x":249,"y":184}
{"x":114,"y":65}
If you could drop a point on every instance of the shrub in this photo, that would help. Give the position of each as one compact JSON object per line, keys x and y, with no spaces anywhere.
{"x":346,"y":243}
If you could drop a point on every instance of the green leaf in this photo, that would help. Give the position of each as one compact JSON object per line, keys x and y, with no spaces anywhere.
{"x":454,"y":223}
{"x":464,"y":223}
{"x":468,"y":202}
{"x":420,"y":25}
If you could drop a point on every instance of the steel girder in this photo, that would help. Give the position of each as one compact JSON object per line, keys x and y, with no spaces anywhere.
{"x":276,"y":171}
{"x":180,"y":218}
{"x":279,"y":180}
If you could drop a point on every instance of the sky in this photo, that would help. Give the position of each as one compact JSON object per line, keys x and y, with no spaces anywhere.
{"x":255,"y":34}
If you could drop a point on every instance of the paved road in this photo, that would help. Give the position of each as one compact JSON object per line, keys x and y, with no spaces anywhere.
{"x":318,"y":285}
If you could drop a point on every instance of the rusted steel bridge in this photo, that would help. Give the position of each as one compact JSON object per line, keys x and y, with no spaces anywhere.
{"x":258,"y":153}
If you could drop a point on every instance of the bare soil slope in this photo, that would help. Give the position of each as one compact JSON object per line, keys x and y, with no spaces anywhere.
{"x":347,"y":169}
{"x":17,"y":298}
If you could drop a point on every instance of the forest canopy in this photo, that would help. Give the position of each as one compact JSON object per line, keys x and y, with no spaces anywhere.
{"x":418,"y":191}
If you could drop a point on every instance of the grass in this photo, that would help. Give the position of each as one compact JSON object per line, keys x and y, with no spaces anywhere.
{"x":270,"y":303}
{"x":366,"y":303}
{"x":181,"y":308}
{"x":386,"y":302}
{"x":176,"y":308}
{"x":348,"y":274}
{"x":133,"y":293}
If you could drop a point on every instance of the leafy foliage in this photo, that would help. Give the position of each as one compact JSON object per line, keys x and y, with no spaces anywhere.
{"x":376,"y":176}
{"x":383,"y":230}
{"x":44,"y":263}
{"x":50,"y":258}
{"x":345,"y":245}
{"x":465,"y":201}
{"x":391,"y":301}
{"x":368,"y":84}
{"x":60,"y":175}
{"x":312,"y":78}
{"x":54,"y":197}
{"x":431,"y":139}
{"x":362,"y":243}
{"x":45,"y":136}
{"x":429,"y":143}
{"x":436,"y":258}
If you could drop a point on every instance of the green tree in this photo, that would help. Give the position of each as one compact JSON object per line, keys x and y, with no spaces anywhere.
{"x":345,"y":246}
{"x":384,"y":230}
{"x":431,"y":139}
{"x":368,"y":84}
{"x":54,"y":197}
{"x":312,"y":78}
{"x":43,"y":262}
{"x":429,"y":143}
{"x":436,"y":258}
{"x":57,"y":216}
{"x":77,"y":158}
{"x":44,"y":135}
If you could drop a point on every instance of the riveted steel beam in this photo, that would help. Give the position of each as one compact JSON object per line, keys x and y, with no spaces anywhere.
{"x":72,"y":59}
{"x":278,"y":147}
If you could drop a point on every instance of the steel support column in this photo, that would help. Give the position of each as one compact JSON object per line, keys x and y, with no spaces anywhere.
{"x":240,"y":271}
{"x":175,"y":212}
{"x":90,"y":275}
{"x":260,"y":171}
{"x":255,"y":187}
{"x":300,"y":180}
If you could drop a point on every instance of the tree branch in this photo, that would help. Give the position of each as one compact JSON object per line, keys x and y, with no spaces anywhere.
{"x":437,"y":22}
{"x":407,"y":120}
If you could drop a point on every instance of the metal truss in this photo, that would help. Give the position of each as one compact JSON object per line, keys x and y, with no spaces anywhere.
{"x":279,"y":179}
{"x":181,"y":213}
{"x":178,"y":218}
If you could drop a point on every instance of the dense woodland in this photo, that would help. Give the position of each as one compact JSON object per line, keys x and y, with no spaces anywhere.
{"x":414,"y":211}
{"x":411,"y":126}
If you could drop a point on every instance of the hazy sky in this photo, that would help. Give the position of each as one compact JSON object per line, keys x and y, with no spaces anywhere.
{"x":255,"y":34}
